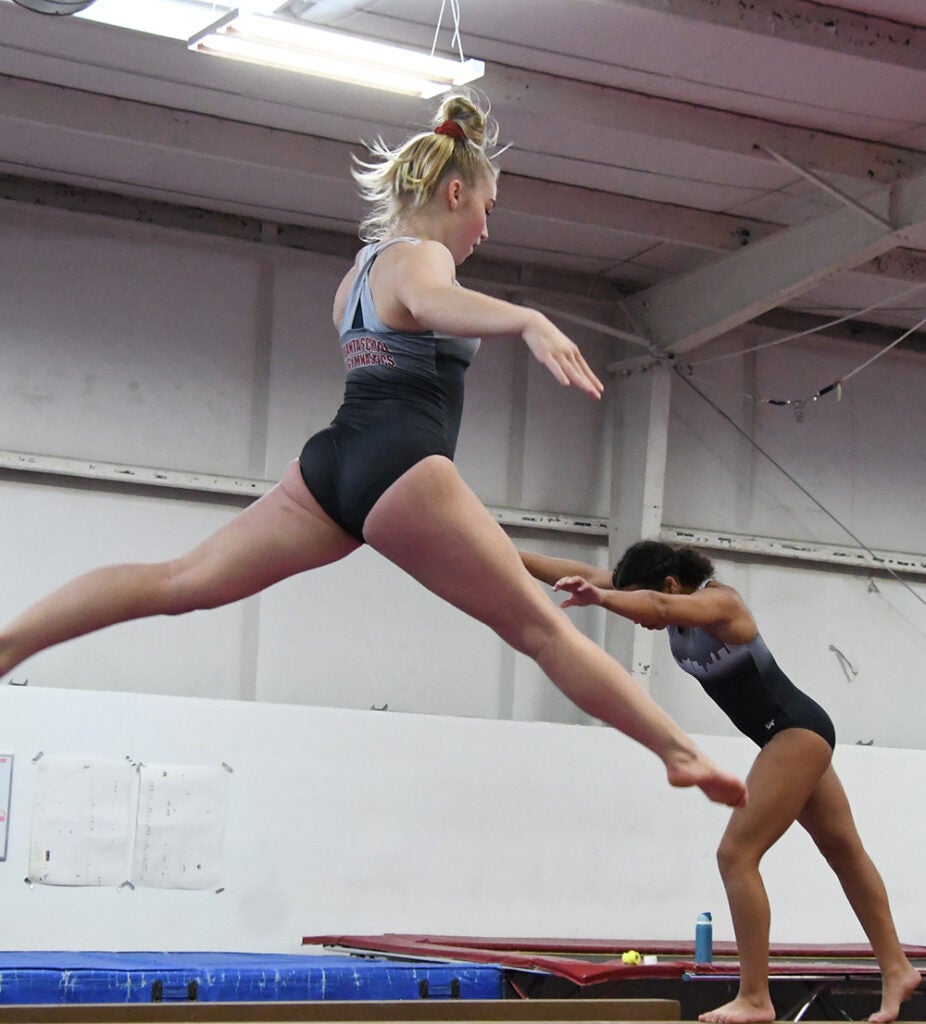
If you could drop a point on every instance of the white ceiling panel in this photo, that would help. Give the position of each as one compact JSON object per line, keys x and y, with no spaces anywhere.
{"x":604,"y":242}
{"x":822,"y":80}
{"x":539,"y":34}
{"x":667,"y":157}
{"x":655,"y":182}
{"x":668,"y":260}
{"x":782,"y":208}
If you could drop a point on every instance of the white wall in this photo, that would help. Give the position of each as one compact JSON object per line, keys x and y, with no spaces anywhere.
{"x":365,"y":822}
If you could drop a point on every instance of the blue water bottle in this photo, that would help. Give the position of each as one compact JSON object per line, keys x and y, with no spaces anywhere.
{"x":704,"y":939}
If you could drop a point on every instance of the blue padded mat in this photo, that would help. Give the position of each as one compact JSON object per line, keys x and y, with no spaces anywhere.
{"x":85,"y":977}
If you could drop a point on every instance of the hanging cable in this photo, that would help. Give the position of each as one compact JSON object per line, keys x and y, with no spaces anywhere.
{"x":811,"y":330}
{"x":800,"y":404}
{"x":803,"y":489}
{"x":584,"y":321}
{"x":878,"y":355}
{"x":455,"y":39}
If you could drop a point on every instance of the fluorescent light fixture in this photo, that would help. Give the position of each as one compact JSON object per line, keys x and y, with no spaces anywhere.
{"x":173,"y":19}
{"x":337,"y":55}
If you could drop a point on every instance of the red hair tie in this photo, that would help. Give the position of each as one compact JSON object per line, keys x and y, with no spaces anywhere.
{"x":452,"y":129}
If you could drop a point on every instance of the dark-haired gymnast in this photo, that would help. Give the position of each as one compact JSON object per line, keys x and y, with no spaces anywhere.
{"x":713,"y":637}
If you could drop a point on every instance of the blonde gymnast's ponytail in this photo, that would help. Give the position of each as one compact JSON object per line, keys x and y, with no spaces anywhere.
{"x":408,"y":176}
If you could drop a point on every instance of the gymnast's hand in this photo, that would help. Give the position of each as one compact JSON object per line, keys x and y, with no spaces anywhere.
{"x":583,"y":593}
{"x":561,"y":356}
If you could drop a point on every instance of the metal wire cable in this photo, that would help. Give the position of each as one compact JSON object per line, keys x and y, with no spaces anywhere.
{"x":455,"y":39}
{"x":801,"y":403}
{"x":804,"y":490}
{"x":885,"y":350}
{"x":811,"y":330}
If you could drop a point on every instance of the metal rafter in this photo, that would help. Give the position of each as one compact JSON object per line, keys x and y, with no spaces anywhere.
{"x":682,"y":313}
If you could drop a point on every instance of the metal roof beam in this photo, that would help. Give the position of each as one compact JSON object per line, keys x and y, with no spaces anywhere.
{"x":682,"y":313}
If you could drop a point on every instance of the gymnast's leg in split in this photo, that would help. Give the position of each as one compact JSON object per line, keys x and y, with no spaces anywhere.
{"x":459,"y":552}
{"x":283,"y":533}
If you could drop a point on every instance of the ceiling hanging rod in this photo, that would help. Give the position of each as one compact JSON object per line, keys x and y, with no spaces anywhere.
{"x":614,"y":332}
{"x":826,"y":187}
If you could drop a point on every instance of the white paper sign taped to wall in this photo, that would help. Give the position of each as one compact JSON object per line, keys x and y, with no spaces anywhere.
{"x":104,"y":822}
{"x":180,"y":830}
{"x":82,"y":818}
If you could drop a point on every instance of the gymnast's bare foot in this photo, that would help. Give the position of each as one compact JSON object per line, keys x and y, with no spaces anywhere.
{"x":741,"y":1011}
{"x":694,"y":769}
{"x":894,"y":991}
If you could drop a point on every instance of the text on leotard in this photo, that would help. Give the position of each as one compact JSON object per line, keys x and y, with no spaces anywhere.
{"x":366,"y":351}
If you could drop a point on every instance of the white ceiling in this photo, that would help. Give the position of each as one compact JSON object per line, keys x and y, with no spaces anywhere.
{"x":641,"y":137}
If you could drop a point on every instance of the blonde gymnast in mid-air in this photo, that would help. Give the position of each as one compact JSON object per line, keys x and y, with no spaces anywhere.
{"x":713,"y":637}
{"x":382,"y":472}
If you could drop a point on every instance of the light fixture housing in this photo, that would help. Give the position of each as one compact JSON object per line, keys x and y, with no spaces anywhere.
{"x":54,"y":6}
{"x":284,"y":43}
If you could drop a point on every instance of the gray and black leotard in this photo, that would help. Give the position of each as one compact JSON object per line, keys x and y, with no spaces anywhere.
{"x":403,"y":400}
{"x":744,"y":680}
